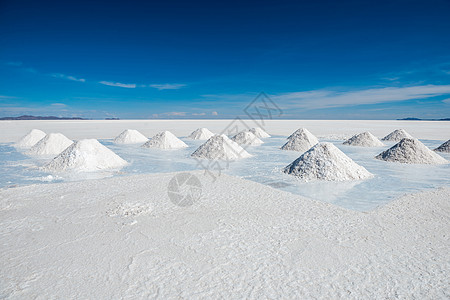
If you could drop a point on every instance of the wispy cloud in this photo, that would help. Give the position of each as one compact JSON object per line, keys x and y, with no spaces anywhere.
{"x":68,"y":77}
{"x":118,"y":84}
{"x":446,"y":100}
{"x":14,"y":63}
{"x":168,"y":86}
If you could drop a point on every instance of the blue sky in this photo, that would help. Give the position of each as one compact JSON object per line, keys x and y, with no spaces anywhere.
{"x":192,"y":59}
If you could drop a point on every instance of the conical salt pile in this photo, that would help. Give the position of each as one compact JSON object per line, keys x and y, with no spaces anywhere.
{"x":30,"y":139}
{"x":165,"y":140}
{"x":445,"y":147}
{"x":220,"y":147}
{"x":130,"y":136}
{"x":365,"y":139}
{"x":247,"y":138}
{"x":397,"y":135}
{"x":51,"y":144}
{"x":201,"y":134}
{"x":85,"y":155}
{"x":325,"y":161}
{"x":301,"y":140}
{"x":259,"y":133}
{"x":411,"y":151}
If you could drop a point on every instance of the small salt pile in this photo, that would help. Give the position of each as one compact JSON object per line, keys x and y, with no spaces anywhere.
{"x":247,"y":138}
{"x":220,"y":147}
{"x":301,"y":140}
{"x":30,"y":139}
{"x":165,"y":140}
{"x":365,"y":139}
{"x":325,"y":161}
{"x":397,"y":135}
{"x":445,"y":147}
{"x":85,"y":155}
{"x":259,"y":133}
{"x":51,"y":144}
{"x":201,"y":134}
{"x":130,"y":136}
{"x":411,"y":151}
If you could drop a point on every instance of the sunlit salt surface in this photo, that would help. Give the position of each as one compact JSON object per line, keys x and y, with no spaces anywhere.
{"x":391,"y":180}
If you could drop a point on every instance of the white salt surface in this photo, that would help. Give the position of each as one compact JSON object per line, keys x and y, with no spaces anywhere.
{"x":397,"y":135}
{"x":445,"y":147}
{"x":201,"y":134}
{"x":259,"y":132}
{"x":51,"y":144}
{"x":130,"y":136}
{"x":222,"y":148}
{"x":365,"y":139}
{"x":30,"y":139}
{"x":165,"y":140}
{"x":247,"y":138}
{"x":301,"y":140}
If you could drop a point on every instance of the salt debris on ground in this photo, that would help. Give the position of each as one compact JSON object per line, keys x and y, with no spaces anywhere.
{"x":259,"y":133}
{"x":201,"y":134}
{"x":130,"y":136}
{"x":247,"y":138}
{"x":325,"y":161}
{"x":51,"y":144}
{"x":30,"y":139}
{"x":397,"y":135}
{"x":165,"y":140}
{"x":220,"y":147}
{"x":365,"y":139}
{"x":411,"y":151}
{"x":445,"y":147}
{"x":301,"y":140}
{"x":85,"y":155}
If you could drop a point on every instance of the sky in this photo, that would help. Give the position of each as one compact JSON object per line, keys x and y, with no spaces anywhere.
{"x":344,"y":59}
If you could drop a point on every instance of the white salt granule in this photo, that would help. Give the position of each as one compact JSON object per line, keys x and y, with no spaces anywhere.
{"x":397,"y":135}
{"x":165,"y":140}
{"x":130,"y":136}
{"x":30,"y":139}
{"x":301,"y":140}
{"x":201,"y":134}
{"x":365,"y":139}
{"x":259,"y":133}
{"x":51,"y":144}
{"x":247,"y":138}
{"x":220,"y":147}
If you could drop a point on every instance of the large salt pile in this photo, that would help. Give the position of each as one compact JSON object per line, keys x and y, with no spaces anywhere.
{"x":165,"y":140}
{"x":130,"y":136}
{"x":411,"y":151}
{"x":397,"y":135}
{"x":445,"y":147}
{"x":201,"y":134}
{"x":325,"y":161}
{"x":247,"y":138}
{"x":51,"y":144}
{"x":365,"y":139}
{"x":30,"y":139}
{"x":85,"y":155}
{"x":259,"y":133}
{"x":301,"y":140}
{"x":220,"y":147}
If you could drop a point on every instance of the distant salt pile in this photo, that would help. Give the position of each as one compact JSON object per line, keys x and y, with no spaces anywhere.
{"x":201,"y":134}
{"x":30,"y":139}
{"x":259,"y":133}
{"x":130,"y":136}
{"x":325,"y":161}
{"x":51,"y":144}
{"x":220,"y":147}
{"x":397,"y":135}
{"x":165,"y":140}
{"x":85,"y":155}
{"x":365,"y":139}
{"x":301,"y":140}
{"x":411,"y":151}
{"x":445,"y":147}
{"x":247,"y":138}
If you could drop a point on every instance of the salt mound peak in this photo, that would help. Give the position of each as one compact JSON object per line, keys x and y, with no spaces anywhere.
{"x":247,"y":138}
{"x":325,"y":161}
{"x":130,"y":136}
{"x":445,"y":147}
{"x":301,"y":140}
{"x":365,"y":139}
{"x":85,"y":155}
{"x":411,"y":151}
{"x":30,"y":139}
{"x":220,"y":147}
{"x":397,"y":135}
{"x":165,"y":140}
{"x":51,"y":144}
{"x":259,"y":133}
{"x":201,"y":134}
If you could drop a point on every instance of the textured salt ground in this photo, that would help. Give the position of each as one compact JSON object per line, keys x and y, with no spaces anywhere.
{"x":123,"y":238}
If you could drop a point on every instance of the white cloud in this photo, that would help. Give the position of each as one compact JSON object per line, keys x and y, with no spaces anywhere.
{"x":124,"y":85}
{"x":446,"y":100}
{"x":215,"y":113}
{"x":198,"y":114}
{"x":68,"y":77}
{"x":168,"y":86}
